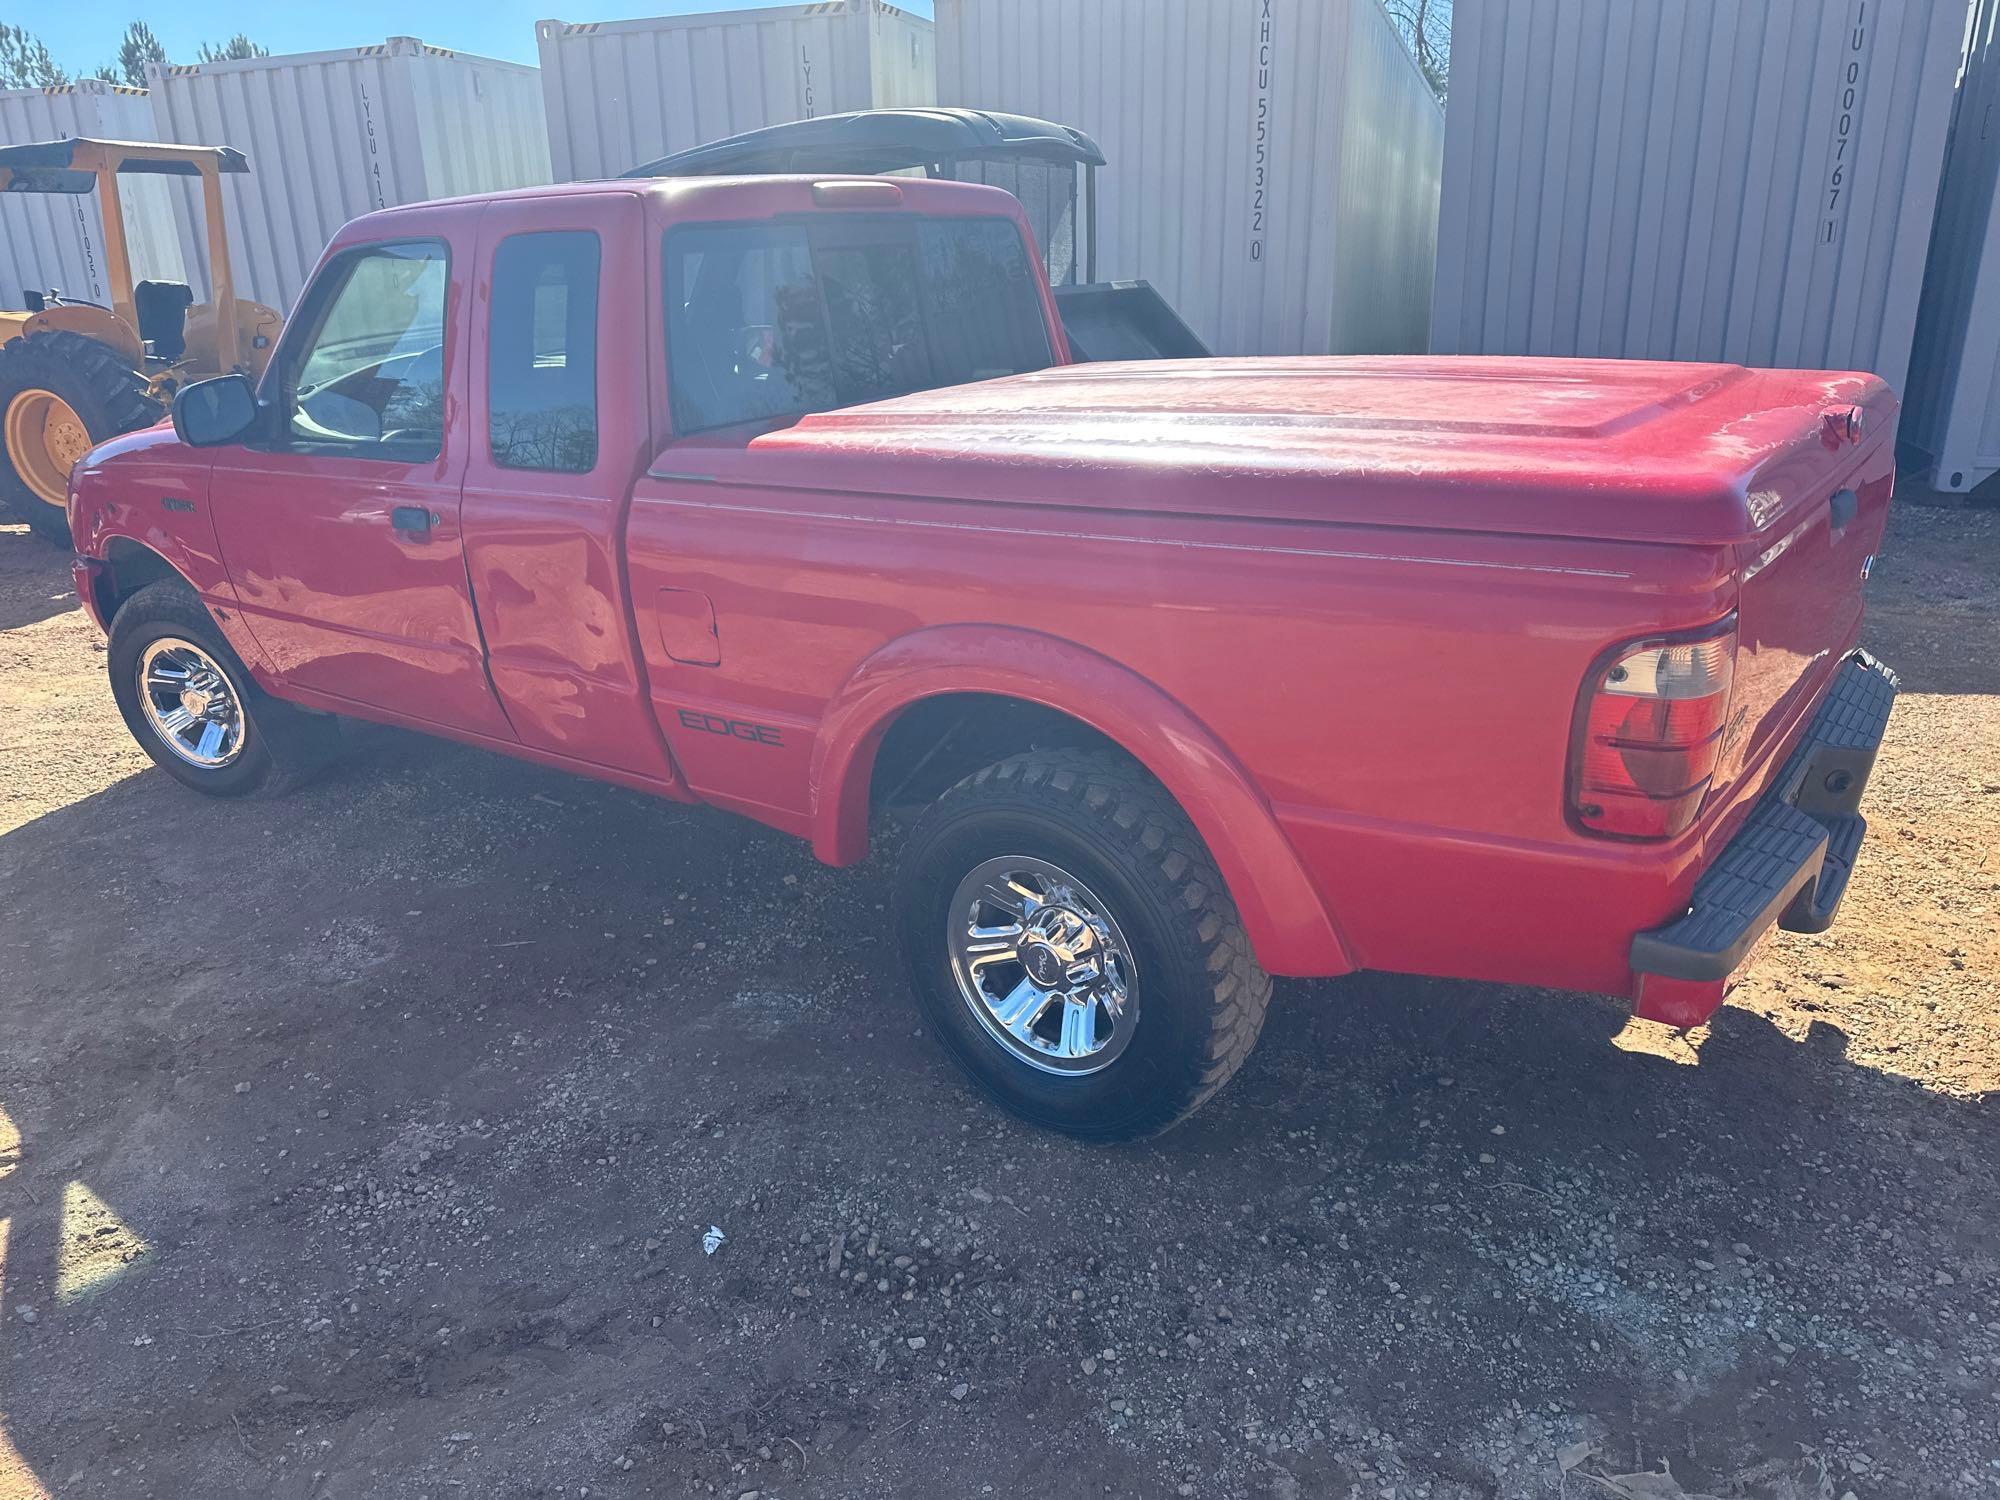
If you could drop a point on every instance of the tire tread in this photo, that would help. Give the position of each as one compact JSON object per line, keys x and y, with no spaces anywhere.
{"x":1134,"y":813}
{"x":297,"y":745}
{"x":56,"y":357}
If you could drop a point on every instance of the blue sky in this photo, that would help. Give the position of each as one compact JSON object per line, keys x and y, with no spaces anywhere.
{"x":83,"y":33}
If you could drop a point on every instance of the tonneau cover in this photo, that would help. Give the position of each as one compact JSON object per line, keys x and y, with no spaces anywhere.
{"x":1614,"y":449}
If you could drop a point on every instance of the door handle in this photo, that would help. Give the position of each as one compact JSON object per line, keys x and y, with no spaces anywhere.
{"x":416,"y":520}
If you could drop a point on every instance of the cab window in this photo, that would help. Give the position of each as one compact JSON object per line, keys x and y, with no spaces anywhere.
{"x":542,"y":353}
{"x":772,"y":320}
{"x":368,"y":378}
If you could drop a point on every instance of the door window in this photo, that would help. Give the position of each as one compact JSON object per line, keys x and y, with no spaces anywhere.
{"x":369,"y":379}
{"x":542,"y":353}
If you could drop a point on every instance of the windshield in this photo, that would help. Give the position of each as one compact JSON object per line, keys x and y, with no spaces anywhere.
{"x":771,"y":320}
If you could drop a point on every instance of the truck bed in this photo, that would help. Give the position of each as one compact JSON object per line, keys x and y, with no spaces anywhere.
{"x":1348,"y":570}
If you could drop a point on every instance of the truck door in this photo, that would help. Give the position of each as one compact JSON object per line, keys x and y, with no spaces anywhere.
{"x":340,"y":523}
{"x":560,"y":425}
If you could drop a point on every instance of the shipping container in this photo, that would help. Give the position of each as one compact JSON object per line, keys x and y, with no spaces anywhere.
{"x":622,"y":93}
{"x":1693,"y":179}
{"x":1952,"y":412}
{"x":55,"y":241}
{"x":1273,"y":164}
{"x":333,"y":135}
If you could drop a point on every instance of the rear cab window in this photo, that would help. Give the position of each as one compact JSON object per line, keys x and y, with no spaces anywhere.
{"x":541,"y":348}
{"x":778,"y":318}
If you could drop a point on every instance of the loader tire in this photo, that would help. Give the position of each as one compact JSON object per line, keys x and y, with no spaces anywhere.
{"x":61,"y":394}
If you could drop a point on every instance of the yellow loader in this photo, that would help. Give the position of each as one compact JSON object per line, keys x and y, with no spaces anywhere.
{"x":75,"y":373}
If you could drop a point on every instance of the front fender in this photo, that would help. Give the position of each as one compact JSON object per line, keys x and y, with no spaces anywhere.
{"x":139,"y":506}
{"x":1287,"y":924}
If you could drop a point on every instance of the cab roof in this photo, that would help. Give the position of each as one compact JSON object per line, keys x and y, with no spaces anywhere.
{"x":751,"y":196}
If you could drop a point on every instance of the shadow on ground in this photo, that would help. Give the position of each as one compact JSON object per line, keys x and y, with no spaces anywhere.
{"x":406,"y":1103}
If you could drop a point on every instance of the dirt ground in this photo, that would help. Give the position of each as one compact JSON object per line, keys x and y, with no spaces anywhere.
{"x":362,"y":1144}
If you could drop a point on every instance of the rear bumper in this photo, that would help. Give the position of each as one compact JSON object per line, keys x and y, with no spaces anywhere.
{"x":1789,"y":864}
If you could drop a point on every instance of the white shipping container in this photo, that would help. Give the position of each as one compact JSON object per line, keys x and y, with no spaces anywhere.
{"x":51,"y":241}
{"x":334,"y":135}
{"x":1273,"y":164}
{"x":623,"y":93}
{"x":1952,"y":413}
{"x":1693,"y":179}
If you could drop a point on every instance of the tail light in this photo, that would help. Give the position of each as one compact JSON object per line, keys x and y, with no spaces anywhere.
{"x":1649,"y":729}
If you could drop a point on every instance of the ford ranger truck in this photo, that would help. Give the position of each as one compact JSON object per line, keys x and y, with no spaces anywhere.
{"x":780,"y":494}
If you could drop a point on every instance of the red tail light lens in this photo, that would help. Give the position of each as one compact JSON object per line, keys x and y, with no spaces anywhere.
{"x":1649,"y":732}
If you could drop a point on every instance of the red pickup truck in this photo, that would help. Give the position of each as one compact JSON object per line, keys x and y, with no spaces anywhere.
{"x":780,"y":494}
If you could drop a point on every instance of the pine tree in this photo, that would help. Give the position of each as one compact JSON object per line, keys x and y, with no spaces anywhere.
{"x":25,"y":62}
{"x":138,"y":48}
{"x":233,"y":50}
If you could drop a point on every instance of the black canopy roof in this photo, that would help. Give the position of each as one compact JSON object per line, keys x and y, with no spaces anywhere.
{"x":869,"y":141}
{"x":65,"y":166}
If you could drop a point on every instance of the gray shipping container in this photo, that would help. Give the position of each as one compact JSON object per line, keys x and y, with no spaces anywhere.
{"x":619,"y":94}
{"x":334,"y":135}
{"x":55,"y":241}
{"x":1273,"y":163}
{"x":1952,"y":413}
{"x":1693,"y":179}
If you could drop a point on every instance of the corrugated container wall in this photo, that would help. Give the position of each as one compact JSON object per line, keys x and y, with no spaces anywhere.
{"x":1693,"y":179}
{"x":51,"y":241}
{"x":622,"y":93}
{"x":1952,"y":414}
{"x":333,"y":135}
{"x":1273,"y":166}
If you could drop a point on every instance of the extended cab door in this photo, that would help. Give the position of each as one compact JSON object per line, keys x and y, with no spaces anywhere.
{"x":561,"y":425}
{"x":340,"y":521}
{"x":751,"y":615}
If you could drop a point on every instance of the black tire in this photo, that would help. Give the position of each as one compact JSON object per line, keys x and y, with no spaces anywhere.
{"x":100,"y":386}
{"x":1200,"y":994}
{"x":281,"y":745}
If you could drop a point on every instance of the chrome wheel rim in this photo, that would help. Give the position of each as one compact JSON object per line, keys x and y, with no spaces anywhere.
{"x":1042,"y":965}
{"x":190,"y":703}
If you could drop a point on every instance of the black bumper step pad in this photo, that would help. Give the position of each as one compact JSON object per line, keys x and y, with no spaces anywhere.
{"x":1790,"y":862}
{"x":1777,"y":855}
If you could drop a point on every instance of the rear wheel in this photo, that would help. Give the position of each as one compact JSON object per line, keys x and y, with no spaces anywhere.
{"x":1072,"y":944}
{"x":61,"y":394}
{"x":192,"y":706}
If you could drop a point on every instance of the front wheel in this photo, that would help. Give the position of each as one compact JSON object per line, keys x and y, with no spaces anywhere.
{"x":1072,"y":944}
{"x":192,"y":706}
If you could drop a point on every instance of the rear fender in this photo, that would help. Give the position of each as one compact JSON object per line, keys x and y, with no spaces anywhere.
{"x":93,"y":323}
{"x":1287,"y":925}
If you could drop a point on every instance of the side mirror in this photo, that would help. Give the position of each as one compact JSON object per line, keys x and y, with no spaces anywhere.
{"x":211,"y":413}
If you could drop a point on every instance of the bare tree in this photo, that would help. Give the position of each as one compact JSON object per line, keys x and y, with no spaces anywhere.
{"x":25,"y":62}
{"x":1426,"y":29}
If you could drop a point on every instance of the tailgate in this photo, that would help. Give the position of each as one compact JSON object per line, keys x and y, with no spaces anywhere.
{"x":1823,"y":507}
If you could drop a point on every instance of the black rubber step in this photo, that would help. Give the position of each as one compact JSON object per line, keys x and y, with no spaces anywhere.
{"x":1825,"y":775}
{"x":1771,"y":860}
{"x":1791,"y":860}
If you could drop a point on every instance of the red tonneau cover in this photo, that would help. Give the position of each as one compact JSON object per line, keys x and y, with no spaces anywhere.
{"x":1617,"y":449}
